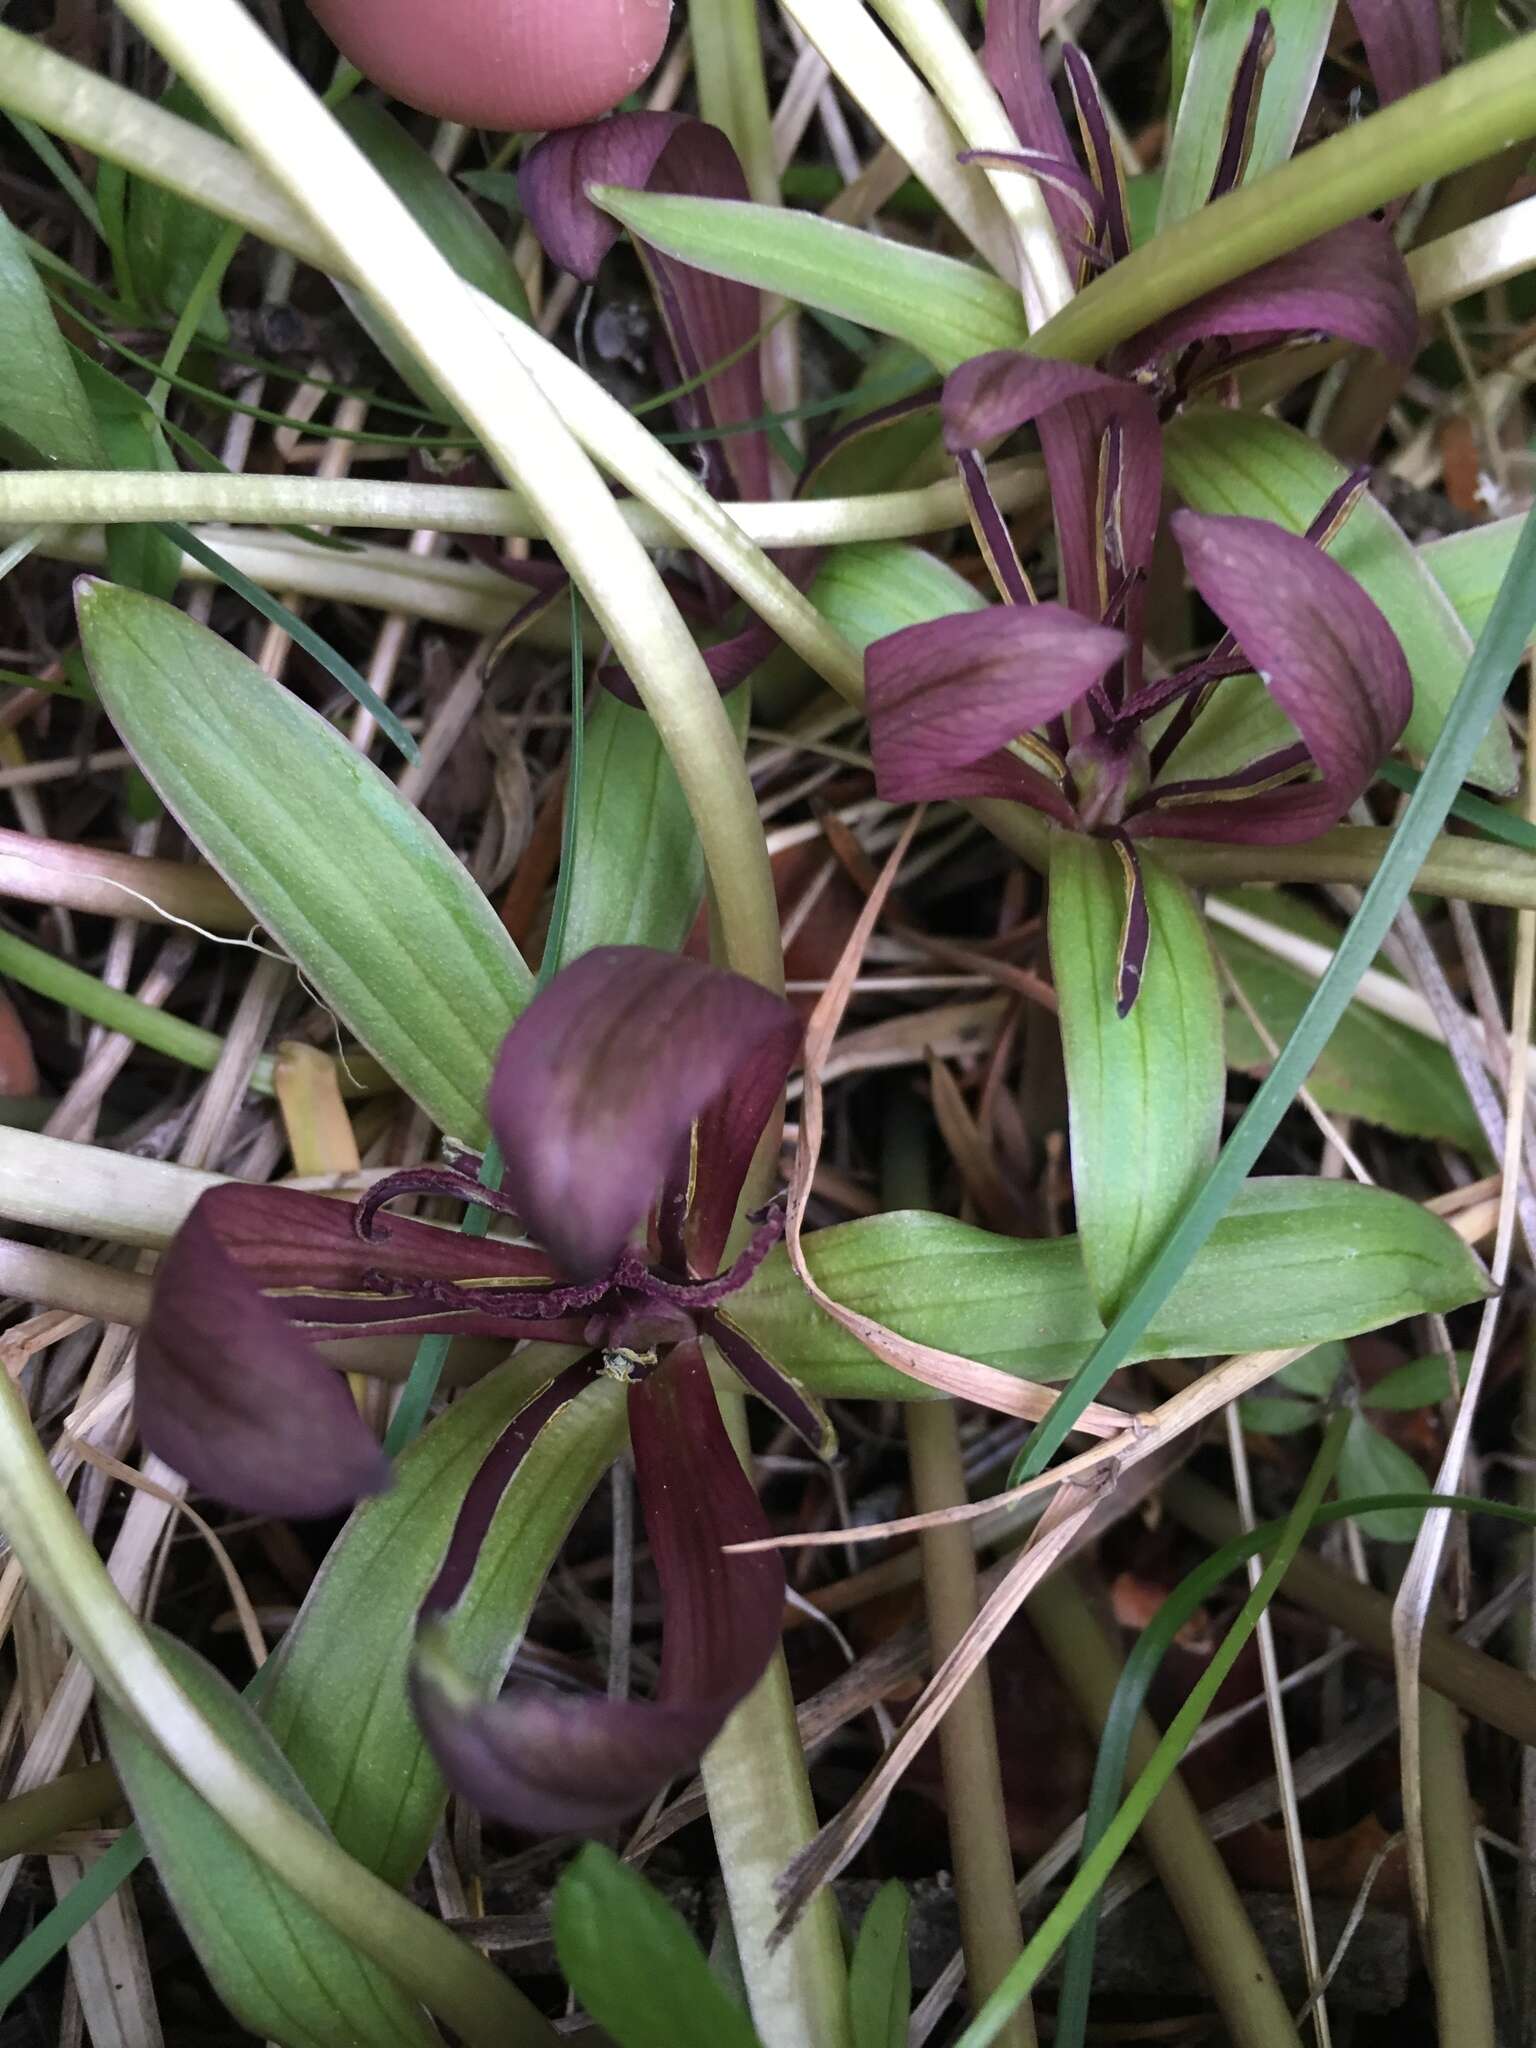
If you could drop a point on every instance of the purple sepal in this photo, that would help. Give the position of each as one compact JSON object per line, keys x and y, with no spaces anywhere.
{"x":558,"y":1765}
{"x":600,"y":1078}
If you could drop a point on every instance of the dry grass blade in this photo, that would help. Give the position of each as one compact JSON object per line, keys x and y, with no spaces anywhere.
{"x":840,"y":1841}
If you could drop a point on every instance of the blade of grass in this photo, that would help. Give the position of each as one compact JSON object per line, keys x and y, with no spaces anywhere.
{"x":1472,"y":810}
{"x":1498,"y":651}
{"x":305,"y":636}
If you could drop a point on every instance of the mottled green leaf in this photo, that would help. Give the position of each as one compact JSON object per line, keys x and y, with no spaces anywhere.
{"x":638,"y":876}
{"x":634,"y":1963}
{"x":948,"y":311}
{"x":1372,"y":1463}
{"x":1144,"y":1091}
{"x":1294,"y":1261}
{"x":350,"y":880}
{"x":1234,"y":462}
{"x":1372,"y":1067}
{"x":284,"y":1973}
{"x":336,"y":1702}
{"x":43,"y":411}
{"x":1421,"y":1383}
{"x":880,"y":1974}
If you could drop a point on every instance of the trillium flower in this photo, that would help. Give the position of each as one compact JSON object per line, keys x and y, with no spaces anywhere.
{"x":1049,"y":704}
{"x":628,"y":1101}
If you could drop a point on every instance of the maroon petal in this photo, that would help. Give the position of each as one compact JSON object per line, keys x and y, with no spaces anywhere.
{"x":600,"y":1078}
{"x":551,"y":1765}
{"x":1016,"y":65}
{"x":709,"y":319}
{"x":229,"y":1393}
{"x":1402,"y":44}
{"x":1078,"y":412}
{"x":1350,"y":283}
{"x":771,"y":1384}
{"x":1327,"y":657}
{"x":946,"y":695}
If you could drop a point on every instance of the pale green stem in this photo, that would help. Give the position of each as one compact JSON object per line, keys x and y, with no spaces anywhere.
{"x":926,"y":31}
{"x":147,"y":1024}
{"x":733,"y":93}
{"x":365,"y":228}
{"x":876,"y":76}
{"x":63,"y":1569}
{"x":77,"y":497}
{"x":1455,"y":1936}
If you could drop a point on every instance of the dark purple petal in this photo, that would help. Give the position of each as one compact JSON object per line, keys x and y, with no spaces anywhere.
{"x":231,"y":1396}
{"x":709,"y":319}
{"x":1077,"y":411}
{"x":1243,"y":106}
{"x":495,"y":1475}
{"x":600,"y":1078}
{"x":1016,"y":66}
{"x":1402,"y":44}
{"x":1325,"y":654}
{"x":771,"y":1384}
{"x":552,"y":1765}
{"x":1350,"y":283}
{"x":945,"y":696}
{"x":286,"y":1240}
{"x":1103,"y":158}
{"x":992,"y":534}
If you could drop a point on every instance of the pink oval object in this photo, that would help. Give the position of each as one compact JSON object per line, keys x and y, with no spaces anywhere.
{"x":510,"y":65}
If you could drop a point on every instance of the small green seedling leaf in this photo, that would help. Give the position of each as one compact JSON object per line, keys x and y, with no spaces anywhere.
{"x":880,"y":1974}
{"x":351,"y":881}
{"x":1145,"y":1091}
{"x":284,"y":1973}
{"x":1277,"y":1415}
{"x":633,"y":1962}
{"x":1421,"y":1383}
{"x":1372,"y":1463}
{"x":1317,"y":1373}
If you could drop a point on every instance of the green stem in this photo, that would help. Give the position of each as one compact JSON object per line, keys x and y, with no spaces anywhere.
{"x":1455,"y":1935}
{"x":973,"y":1779}
{"x":1469,"y":114}
{"x":79,"y":497}
{"x":75,"y":1800}
{"x":63,"y":1569}
{"x":116,"y":1010}
{"x":762,"y":1815}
